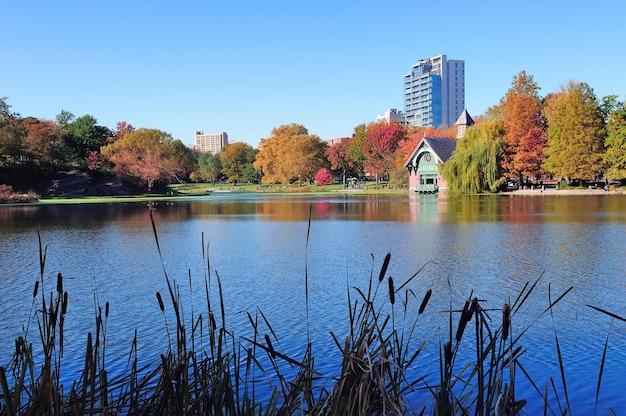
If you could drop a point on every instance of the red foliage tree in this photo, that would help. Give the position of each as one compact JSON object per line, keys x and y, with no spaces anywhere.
{"x":380,"y":147}
{"x":339,"y":157}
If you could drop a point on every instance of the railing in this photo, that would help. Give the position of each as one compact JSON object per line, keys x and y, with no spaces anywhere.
{"x":427,"y":188}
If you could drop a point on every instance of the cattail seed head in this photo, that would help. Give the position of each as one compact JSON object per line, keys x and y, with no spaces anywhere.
{"x":383,"y":269}
{"x":425,"y":301}
{"x":392,"y":292}
{"x":36,"y":288}
{"x":59,"y":283}
{"x":106,"y":310}
{"x":506,"y":321}
{"x":158,"y":295}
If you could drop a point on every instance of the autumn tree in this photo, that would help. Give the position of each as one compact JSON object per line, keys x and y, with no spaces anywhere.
{"x":237,"y":162}
{"x":575,"y":133}
{"x":339,"y":158}
{"x":475,"y":163}
{"x":148,"y":156}
{"x":615,"y":143}
{"x":380,"y":146}
{"x":43,"y":143}
{"x":524,"y":128}
{"x":290,"y":154}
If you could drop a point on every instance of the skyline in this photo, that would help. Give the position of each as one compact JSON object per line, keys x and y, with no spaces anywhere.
{"x":244,"y":68}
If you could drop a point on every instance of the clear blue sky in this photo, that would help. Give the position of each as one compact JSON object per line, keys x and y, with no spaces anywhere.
{"x":245,"y":67}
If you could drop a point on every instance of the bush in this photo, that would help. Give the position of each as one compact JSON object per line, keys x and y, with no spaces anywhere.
{"x":7,"y":196}
{"x":323,"y":177}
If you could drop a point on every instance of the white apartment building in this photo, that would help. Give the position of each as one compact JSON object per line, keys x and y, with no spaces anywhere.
{"x":391,"y":114}
{"x":434,"y":92}
{"x":212,"y":143}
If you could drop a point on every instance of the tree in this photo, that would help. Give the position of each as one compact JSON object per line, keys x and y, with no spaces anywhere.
{"x":524,"y":126}
{"x":290,"y":154}
{"x":237,"y":160}
{"x":339,"y":158}
{"x":475,"y":164}
{"x":575,"y":133}
{"x":380,"y":146}
{"x":615,"y":143}
{"x":323,"y":177}
{"x":209,"y":167}
{"x":43,"y":143}
{"x":148,"y":156}
{"x":11,"y":135}
{"x":355,"y":150}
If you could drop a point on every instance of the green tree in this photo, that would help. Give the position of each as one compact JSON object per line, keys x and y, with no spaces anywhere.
{"x":11,"y":135}
{"x":615,"y":143}
{"x":237,"y":160}
{"x":575,"y":133}
{"x":355,"y":150}
{"x":524,"y":126}
{"x":84,"y":135}
{"x":148,"y":156}
{"x":209,"y":167}
{"x":475,"y":163}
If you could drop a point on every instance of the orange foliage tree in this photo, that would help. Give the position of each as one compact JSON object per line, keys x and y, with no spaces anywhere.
{"x":525,"y":129}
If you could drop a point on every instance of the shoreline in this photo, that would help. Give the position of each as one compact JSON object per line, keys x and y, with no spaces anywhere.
{"x":553,"y":191}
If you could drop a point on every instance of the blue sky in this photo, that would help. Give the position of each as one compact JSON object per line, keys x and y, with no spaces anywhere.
{"x":245,"y":67}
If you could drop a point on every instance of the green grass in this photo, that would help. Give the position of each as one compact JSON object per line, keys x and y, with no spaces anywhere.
{"x":207,"y":369}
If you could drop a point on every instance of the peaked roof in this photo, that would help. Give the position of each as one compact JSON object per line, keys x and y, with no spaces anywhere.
{"x":464,"y":119}
{"x":442,"y":147}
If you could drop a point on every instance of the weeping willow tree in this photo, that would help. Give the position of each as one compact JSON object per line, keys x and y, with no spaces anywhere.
{"x":475,"y":164}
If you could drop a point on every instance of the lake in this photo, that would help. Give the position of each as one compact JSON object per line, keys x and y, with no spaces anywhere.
{"x":485,"y":246}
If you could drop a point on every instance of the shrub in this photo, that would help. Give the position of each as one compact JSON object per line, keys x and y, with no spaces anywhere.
{"x":323,"y":177}
{"x":7,"y":196}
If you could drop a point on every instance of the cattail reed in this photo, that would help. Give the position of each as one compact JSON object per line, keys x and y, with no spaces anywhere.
{"x":506,"y":321}
{"x":383,"y":269}
{"x":392,"y":293}
{"x":36,"y":288}
{"x":425,"y":301}
{"x":158,"y":295}
{"x":59,"y":283}
{"x":466,"y":316}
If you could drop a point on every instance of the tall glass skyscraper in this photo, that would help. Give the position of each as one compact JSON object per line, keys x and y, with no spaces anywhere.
{"x":434,"y":92}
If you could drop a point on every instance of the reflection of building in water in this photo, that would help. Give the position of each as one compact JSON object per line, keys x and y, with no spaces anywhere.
{"x":428,"y":207}
{"x":423,"y":163}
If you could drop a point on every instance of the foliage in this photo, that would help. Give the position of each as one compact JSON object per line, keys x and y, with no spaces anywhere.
{"x":323,"y":177}
{"x":209,"y":167}
{"x":237,"y":161}
{"x":355,"y":149}
{"x":575,"y":133}
{"x":475,"y":164}
{"x":82,"y":136}
{"x":524,"y":128}
{"x":380,"y":147}
{"x":7,"y":196}
{"x":339,"y":158}
{"x":11,"y":135}
{"x":615,"y":143}
{"x":149,"y":156}
{"x":290,"y":154}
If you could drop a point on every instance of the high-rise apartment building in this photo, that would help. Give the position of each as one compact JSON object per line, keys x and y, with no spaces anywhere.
{"x":434,"y":92}
{"x":211,"y":143}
